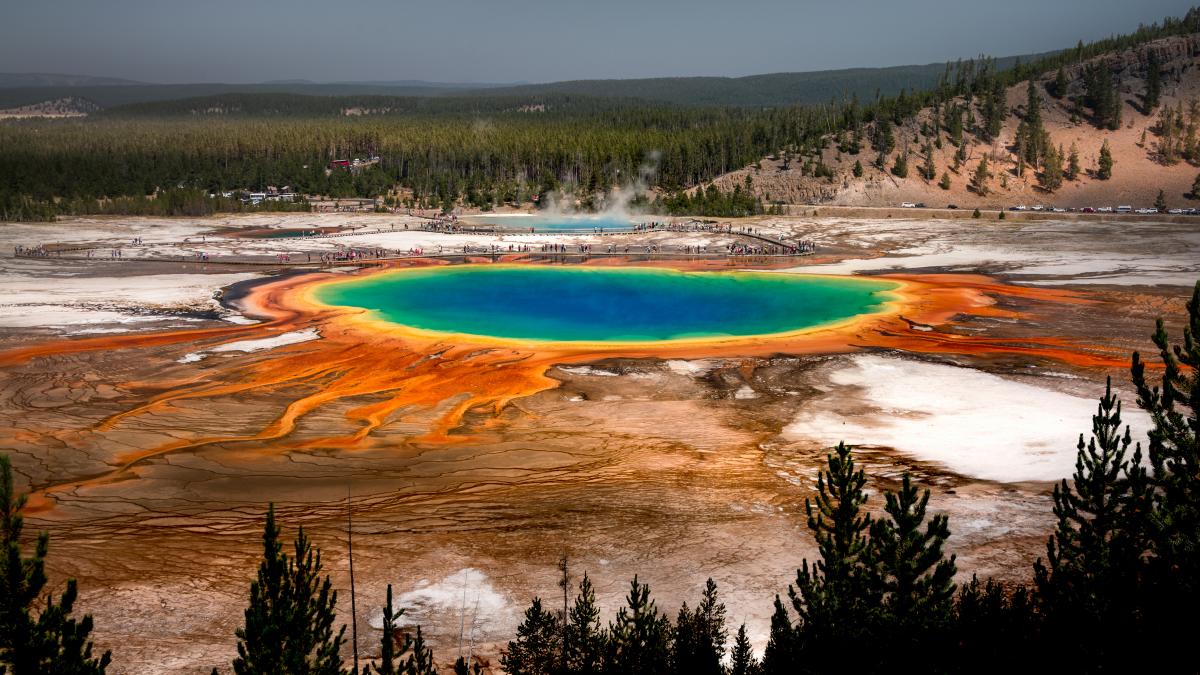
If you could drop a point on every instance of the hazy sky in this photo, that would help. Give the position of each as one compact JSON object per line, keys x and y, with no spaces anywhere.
{"x":532,"y":40}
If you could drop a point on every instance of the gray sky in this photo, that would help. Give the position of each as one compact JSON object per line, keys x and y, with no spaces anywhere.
{"x":532,"y":40}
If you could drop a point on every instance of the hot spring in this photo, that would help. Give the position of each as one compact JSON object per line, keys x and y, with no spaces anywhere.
{"x":560,"y":223}
{"x":581,"y":304}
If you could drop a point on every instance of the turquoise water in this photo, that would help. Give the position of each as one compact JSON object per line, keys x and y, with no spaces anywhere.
{"x":605,"y":304}
{"x":558,"y":223}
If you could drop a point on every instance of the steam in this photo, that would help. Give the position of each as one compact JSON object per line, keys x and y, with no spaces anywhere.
{"x":618,"y":204}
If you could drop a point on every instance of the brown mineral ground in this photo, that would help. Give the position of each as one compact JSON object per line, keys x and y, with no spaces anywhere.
{"x":475,"y":463}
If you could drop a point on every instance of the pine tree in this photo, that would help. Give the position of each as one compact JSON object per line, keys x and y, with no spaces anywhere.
{"x":700,"y":636}
{"x":584,"y":641}
{"x":538,"y":647}
{"x":979,"y":180}
{"x":900,"y":168}
{"x":1051,"y":177}
{"x":883,"y":140}
{"x":388,"y":654}
{"x":1089,"y":586}
{"x":779,"y":658}
{"x":858,"y":168}
{"x":1160,"y":202}
{"x":289,"y":619}
{"x":1034,"y":141}
{"x":1104,"y":165}
{"x":1113,"y":106}
{"x":1195,"y":192}
{"x":929,"y":168}
{"x":1022,"y":147}
{"x":1060,"y":84}
{"x":953,"y":123}
{"x":742,"y":661}
{"x":917,"y":577}
{"x":1103,"y":97}
{"x":1174,"y":452}
{"x":944,"y":183}
{"x":994,"y":110}
{"x":639,"y":636}
{"x":988,"y":622}
{"x":836,"y":598}
{"x":1153,"y":82}
{"x":54,"y":641}
{"x":684,"y":642}
{"x":461,"y":668}
{"x":420,"y":659}
{"x":1073,"y":167}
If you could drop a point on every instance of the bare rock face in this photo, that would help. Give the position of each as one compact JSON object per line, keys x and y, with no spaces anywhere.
{"x":1176,"y":56}
{"x":774,"y":184}
{"x":70,"y":106}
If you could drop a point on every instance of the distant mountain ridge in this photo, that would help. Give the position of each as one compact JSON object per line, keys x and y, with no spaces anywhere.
{"x":771,"y":89}
{"x":9,"y":80}
{"x":768,"y":90}
{"x":393,"y":83}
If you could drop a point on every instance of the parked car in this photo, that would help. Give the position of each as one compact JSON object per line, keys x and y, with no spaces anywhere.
{"x":952,"y":206}
{"x":908,"y":205}
{"x":1022,"y":207}
{"x":921,"y":205}
{"x":1104,"y":209}
{"x":1124,"y":209}
{"x":1145,"y":211}
{"x":1175,"y":212}
{"x":1087,"y":209}
{"x":1058,"y":209}
{"x":1039,"y":207}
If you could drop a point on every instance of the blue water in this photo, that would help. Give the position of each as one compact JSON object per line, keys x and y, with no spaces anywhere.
{"x":605,"y":304}
{"x":558,"y":223}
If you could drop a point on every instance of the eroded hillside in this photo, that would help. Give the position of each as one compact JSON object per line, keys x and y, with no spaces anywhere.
{"x":1149,"y":155}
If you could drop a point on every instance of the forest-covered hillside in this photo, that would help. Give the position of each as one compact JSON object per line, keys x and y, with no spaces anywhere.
{"x":480,"y":151}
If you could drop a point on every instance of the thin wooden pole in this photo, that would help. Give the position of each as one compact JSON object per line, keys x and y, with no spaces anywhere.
{"x":353,"y":606}
{"x":565,"y":583}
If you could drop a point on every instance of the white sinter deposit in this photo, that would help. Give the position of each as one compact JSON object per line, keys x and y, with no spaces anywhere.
{"x":967,"y":421}
{"x":34,"y":294}
{"x":1038,"y":252}
{"x":467,"y":591}
{"x":261,"y":344}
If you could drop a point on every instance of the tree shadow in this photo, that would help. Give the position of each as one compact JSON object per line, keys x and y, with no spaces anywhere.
{"x":1138,"y":103}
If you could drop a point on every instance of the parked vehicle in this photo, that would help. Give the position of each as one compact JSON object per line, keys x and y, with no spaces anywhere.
{"x":1022,"y":207}
{"x":908,"y":205}
{"x":1039,"y":207}
{"x":921,"y":205}
{"x":1104,"y":209}
{"x":1124,"y":209}
{"x":1087,"y":209}
{"x":952,"y":206}
{"x":1175,"y":212}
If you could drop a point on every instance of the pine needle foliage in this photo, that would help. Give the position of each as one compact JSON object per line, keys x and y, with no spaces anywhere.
{"x":289,"y":619}
{"x":33,"y":642}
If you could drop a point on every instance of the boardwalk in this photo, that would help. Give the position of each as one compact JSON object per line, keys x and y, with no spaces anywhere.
{"x":756,"y":246}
